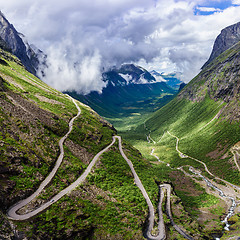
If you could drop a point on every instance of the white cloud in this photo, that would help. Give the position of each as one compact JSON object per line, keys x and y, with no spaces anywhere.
{"x":83,"y":37}
{"x":209,"y":9}
{"x":73,"y":71}
{"x":236,"y":2}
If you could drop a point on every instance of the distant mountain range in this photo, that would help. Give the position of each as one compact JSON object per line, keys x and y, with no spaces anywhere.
{"x":129,"y":89}
{"x":127,"y":74}
{"x":15,"y":42}
{"x":132,"y":74}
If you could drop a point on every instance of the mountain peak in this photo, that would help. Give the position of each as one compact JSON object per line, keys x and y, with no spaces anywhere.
{"x":228,"y":37}
{"x":19,"y":46}
{"x":128,"y":74}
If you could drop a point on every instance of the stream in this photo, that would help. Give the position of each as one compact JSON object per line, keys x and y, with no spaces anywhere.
{"x":209,"y":184}
{"x":221,"y":193}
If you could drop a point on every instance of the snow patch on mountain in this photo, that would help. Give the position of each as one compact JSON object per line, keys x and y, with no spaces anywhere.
{"x":127,"y":77}
{"x":160,"y":79}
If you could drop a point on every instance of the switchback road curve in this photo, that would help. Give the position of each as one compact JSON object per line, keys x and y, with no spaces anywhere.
{"x":13,"y":215}
{"x":12,"y":211}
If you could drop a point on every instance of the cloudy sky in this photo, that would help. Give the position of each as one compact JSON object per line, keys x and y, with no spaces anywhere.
{"x":83,"y":38}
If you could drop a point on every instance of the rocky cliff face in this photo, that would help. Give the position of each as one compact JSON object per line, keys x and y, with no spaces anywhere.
{"x":228,"y":37}
{"x":220,"y":80}
{"x":30,"y":56}
{"x":4,"y":46}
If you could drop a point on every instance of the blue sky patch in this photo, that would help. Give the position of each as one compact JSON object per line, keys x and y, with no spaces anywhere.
{"x":210,"y":7}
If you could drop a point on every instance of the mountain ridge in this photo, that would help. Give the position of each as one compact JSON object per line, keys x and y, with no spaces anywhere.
{"x":127,"y":74}
{"x":220,"y":79}
{"x":228,"y":37}
{"x":30,"y":56}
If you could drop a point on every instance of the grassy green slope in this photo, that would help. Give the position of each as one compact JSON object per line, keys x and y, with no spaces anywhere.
{"x":190,"y":116}
{"x":188,"y":121}
{"x":205,"y":117}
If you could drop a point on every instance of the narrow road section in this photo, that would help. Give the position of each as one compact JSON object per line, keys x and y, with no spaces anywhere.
{"x":234,"y":151}
{"x":161,"y":227}
{"x":169,"y":213}
{"x":167,"y":187}
{"x":12,"y":213}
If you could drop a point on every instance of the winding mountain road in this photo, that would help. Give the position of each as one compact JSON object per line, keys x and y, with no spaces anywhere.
{"x":161,"y":227}
{"x":233,"y":200}
{"x":12,"y":212}
{"x":167,"y":187}
{"x":169,"y":213}
{"x":236,"y":157}
{"x":164,"y":188}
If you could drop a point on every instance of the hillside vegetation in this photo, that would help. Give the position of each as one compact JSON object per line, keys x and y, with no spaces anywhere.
{"x":200,"y":126}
